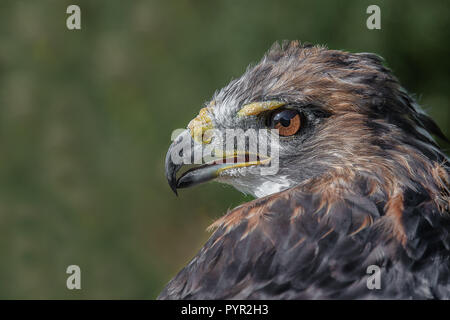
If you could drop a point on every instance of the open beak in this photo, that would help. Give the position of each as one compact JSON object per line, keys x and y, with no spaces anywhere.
{"x":210,"y":170}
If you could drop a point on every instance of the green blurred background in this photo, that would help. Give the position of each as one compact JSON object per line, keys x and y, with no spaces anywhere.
{"x":86,"y":118}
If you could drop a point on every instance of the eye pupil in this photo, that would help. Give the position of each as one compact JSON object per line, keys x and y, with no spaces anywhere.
{"x":285,"y":122}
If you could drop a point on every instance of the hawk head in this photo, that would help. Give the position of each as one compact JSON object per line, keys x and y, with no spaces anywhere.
{"x":325,"y":112}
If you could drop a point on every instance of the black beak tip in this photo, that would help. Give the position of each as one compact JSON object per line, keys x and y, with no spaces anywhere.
{"x":174,"y":189}
{"x":172,"y":180}
{"x":171,"y":173}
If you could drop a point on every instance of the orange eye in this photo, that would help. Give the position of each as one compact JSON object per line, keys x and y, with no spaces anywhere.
{"x":288,"y":122}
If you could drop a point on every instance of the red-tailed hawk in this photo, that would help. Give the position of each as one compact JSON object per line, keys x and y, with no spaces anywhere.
{"x":360,"y":183}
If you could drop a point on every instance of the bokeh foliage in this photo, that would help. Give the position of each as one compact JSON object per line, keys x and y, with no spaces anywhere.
{"x":86,"y":118}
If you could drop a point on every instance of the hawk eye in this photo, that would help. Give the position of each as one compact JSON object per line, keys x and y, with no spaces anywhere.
{"x":287,"y":121}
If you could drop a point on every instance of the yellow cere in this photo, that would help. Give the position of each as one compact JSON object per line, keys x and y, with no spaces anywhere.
{"x":255,"y":108}
{"x":199,"y":125}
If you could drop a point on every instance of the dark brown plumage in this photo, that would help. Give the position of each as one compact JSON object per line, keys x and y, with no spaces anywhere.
{"x":369,"y":187}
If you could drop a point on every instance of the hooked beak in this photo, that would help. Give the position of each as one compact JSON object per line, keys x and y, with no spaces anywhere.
{"x":203,"y":172}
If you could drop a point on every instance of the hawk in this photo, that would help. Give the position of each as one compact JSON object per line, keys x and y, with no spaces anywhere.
{"x":361,"y":184}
